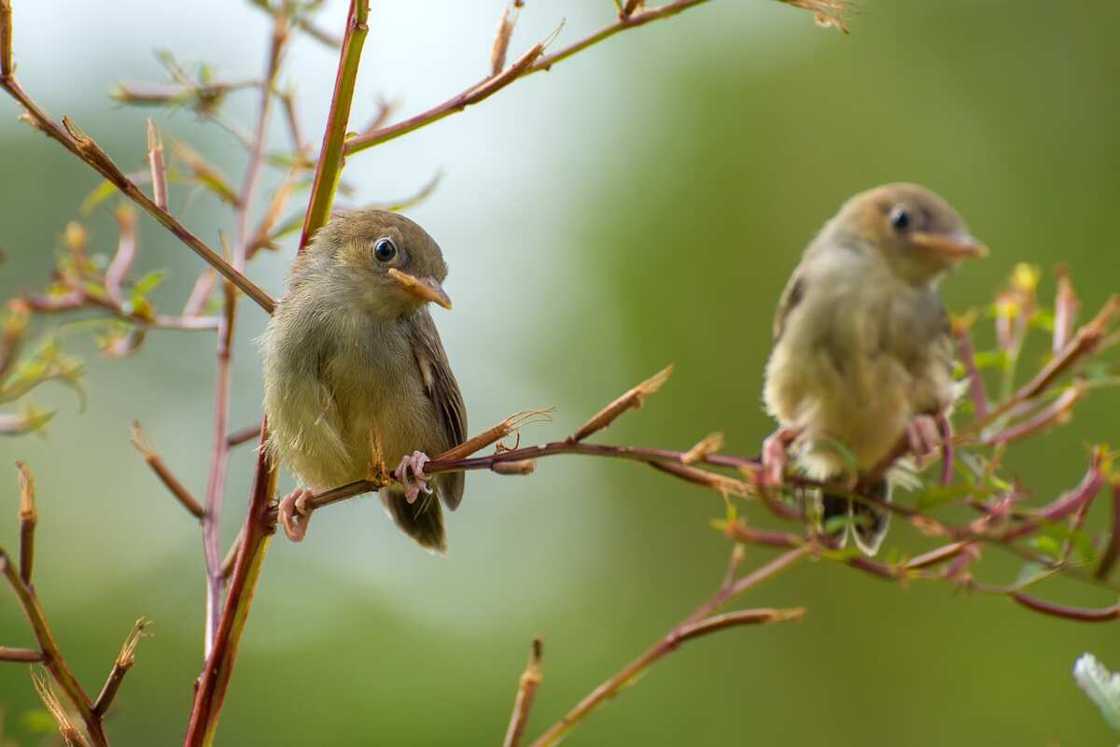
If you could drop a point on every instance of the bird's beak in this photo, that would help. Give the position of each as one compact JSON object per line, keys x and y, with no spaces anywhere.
{"x":426,"y":289}
{"x":950,"y":246}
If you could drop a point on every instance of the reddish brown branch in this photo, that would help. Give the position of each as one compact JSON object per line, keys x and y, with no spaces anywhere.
{"x":155,"y":462}
{"x":81,"y":145}
{"x":52,"y":655}
{"x":697,"y":624}
{"x":526,"y":693}
{"x":28,"y":518}
{"x":257,"y":533}
{"x":1080,"y":614}
{"x":632,"y":399}
{"x":20,"y":655}
{"x":125,"y":659}
{"x":246,"y":434}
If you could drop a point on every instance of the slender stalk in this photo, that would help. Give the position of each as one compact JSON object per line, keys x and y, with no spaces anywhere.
{"x":52,"y":655}
{"x":528,"y":64}
{"x":214,"y":681}
{"x":693,"y":626}
{"x":526,"y":692}
{"x":28,"y":518}
{"x":20,"y":655}
{"x":124,"y":661}
{"x":157,"y":465}
{"x":329,"y":167}
{"x":259,"y":522}
{"x":81,"y":145}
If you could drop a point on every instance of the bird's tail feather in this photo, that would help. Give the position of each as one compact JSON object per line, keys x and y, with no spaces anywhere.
{"x":422,"y":519}
{"x":869,"y":523}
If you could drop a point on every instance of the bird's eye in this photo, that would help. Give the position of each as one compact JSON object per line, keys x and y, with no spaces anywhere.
{"x":900,"y":218}
{"x":384,"y":249}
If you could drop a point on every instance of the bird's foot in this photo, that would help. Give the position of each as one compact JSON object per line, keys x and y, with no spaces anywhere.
{"x":410,"y":474}
{"x":293,"y":514}
{"x":775,"y":456}
{"x":924,"y":436}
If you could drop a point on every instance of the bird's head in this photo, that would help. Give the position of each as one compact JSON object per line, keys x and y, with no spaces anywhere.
{"x":381,"y":261}
{"x":917,"y":233}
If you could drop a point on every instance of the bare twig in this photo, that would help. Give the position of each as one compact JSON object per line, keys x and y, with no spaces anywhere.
{"x":501,"y":40}
{"x":28,"y":518}
{"x":258,"y":530}
{"x":246,"y":434}
{"x":125,"y":659}
{"x":329,"y":167}
{"x":157,"y":166}
{"x":632,"y":399}
{"x":697,"y":624}
{"x":155,"y":462}
{"x":52,"y":655}
{"x":83,"y":146}
{"x":526,"y":692}
{"x":71,"y":734}
{"x":20,"y":655}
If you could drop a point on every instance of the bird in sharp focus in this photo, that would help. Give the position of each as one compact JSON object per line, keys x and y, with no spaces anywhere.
{"x":355,"y":374}
{"x":862,"y":354}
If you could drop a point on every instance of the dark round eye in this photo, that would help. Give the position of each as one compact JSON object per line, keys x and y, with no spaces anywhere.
{"x":900,"y":218}
{"x":384,"y":250}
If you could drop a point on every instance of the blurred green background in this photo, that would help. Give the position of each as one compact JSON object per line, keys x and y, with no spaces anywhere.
{"x":640,"y":204}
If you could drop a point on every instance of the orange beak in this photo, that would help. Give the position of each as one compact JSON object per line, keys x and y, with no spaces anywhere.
{"x":426,"y":289}
{"x":950,"y":246}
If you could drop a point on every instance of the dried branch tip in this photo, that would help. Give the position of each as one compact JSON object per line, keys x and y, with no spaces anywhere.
{"x":27,"y":510}
{"x":827,"y":13}
{"x":496,"y":433}
{"x":140,"y":440}
{"x":501,"y":39}
{"x":707,"y":446}
{"x":70,"y":733}
{"x":630,"y":400}
{"x":157,"y":166}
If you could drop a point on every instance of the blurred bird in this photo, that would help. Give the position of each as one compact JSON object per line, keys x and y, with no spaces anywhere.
{"x":355,"y":375}
{"x":862,"y":351}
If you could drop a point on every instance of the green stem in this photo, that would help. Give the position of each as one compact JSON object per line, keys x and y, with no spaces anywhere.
{"x":332,"y":157}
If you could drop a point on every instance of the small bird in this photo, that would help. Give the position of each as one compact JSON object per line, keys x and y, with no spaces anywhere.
{"x":862,"y":352}
{"x":355,"y":375}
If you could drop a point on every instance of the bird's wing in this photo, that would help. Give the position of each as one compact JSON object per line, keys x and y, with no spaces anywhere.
{"x":443,"y":390}
{"x":791,"y":296}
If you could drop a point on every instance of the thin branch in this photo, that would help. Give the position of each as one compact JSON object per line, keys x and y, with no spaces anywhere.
{"x":155,"y":462}
{"x":52,"y":655}
{"x":697,"y":624}
{"x":20,"y":655}
{"x":157,"y":166}
{"x":329,"y":167}
{"x":473,"y":95}
{"x":246,"y":434}
{"x":125,"y":659}
{"x":258,"y":530}
{"x":1084,"y":343}
{"x":526,"y":693}
{"x":81,"y":145}
{"x":632,"y":399}
{"x":1080,"y":614}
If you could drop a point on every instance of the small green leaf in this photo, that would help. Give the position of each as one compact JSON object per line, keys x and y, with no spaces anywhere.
{"x":100,"y":193}
{"x":149,"y":282}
